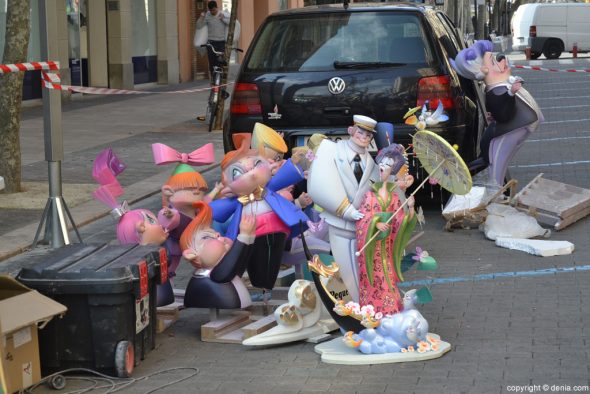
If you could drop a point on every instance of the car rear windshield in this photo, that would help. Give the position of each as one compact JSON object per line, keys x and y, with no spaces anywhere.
{"x":321,"y":42}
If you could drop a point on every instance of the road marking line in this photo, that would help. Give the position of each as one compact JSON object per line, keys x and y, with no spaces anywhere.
{"x":561,"y":98}
{"x":566,"y":61}
{"x":558,"y":139}
{"x":553,"y":90}
{"x":496,"y":275}
{"x":536,"y":63}
{"x":566,"y":121}
{"x":567,"y":106}
{"x":530,"y":81}
{"x":563,"y":163}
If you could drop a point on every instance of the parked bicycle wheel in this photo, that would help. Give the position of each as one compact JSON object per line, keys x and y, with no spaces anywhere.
{"x":212,"y":110}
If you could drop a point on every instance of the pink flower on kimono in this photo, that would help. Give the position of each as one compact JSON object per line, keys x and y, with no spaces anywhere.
{"x":420,"y":254}
{"x":433,"y":181}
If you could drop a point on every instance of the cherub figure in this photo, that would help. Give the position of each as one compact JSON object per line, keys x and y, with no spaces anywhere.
{"x":219,"y":262}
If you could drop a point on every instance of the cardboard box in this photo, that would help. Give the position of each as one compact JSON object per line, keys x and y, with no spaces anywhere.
{"x":22,"y":310}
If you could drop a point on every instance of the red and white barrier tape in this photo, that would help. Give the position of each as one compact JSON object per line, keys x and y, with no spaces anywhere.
{"x":536,"y":68}
{"x":12,"y":68}
{"x":52,"y":81}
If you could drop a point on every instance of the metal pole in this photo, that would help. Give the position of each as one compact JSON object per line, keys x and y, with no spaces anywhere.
{"x":56,"y":230}
{"x":475,"y":29}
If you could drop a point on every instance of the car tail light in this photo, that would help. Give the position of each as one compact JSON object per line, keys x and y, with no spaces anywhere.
{"x":435,"y":89}
{"x":533,"y":31}
{"x":246,"y":100}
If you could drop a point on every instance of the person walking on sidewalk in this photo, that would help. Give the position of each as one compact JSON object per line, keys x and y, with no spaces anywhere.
{"x":217,"y":22}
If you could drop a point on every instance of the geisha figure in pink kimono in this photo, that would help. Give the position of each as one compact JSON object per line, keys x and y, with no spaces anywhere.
{"x":376,"y":266}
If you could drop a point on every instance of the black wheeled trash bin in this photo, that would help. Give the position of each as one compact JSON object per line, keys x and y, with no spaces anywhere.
{"x":110,"y":292}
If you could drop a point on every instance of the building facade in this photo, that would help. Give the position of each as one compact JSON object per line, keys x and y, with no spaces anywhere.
{"x":125,"y":43}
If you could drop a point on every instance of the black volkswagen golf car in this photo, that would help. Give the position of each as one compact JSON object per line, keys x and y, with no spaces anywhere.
{"x":311,"y":69}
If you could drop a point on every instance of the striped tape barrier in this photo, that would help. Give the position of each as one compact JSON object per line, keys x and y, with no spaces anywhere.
{"x":32,"y":66}
{"x":52,"y":81}
{"x":536,"y":68}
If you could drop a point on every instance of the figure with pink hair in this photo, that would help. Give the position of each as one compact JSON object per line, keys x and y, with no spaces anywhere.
{"x":134,"y":226}
{"x":137,"y":226}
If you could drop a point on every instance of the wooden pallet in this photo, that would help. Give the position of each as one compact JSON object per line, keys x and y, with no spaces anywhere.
{"x":167,"y":315}
{"x":553,"y":203}
{"x":239,"y":325}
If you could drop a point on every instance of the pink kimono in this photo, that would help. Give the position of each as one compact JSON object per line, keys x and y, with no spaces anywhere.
{"x":377,"y":258}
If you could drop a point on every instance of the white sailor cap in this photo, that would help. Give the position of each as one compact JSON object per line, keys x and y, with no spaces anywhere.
{"x":364,"y":122}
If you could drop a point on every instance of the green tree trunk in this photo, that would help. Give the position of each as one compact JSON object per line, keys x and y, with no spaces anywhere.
{"x":11,"y":88}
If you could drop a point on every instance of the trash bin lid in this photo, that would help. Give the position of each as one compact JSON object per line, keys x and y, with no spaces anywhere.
{"x":93,"y":268}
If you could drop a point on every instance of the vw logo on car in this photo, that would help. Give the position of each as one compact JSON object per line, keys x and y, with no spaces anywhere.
{"x":336,"y":85}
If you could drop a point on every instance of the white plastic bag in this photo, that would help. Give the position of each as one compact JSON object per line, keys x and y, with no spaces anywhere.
{"x":508,"y":222}
{"x":201,"y":37}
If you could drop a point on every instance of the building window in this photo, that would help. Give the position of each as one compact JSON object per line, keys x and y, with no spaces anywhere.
{"x":144,"y":55}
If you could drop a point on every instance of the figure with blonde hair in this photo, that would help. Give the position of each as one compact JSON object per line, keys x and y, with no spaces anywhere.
{"x":246,"y":175}
{"x":219,"y":262}
{"x":271,"y":145}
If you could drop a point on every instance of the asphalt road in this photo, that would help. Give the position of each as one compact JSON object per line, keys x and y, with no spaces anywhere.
{"x":513,"y":320}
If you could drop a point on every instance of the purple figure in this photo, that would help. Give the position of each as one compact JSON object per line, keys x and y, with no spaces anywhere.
{"x":514,"y":112}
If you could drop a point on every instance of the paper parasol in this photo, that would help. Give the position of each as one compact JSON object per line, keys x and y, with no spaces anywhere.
{"x":442,"y":162}
{"x":433,"y":150}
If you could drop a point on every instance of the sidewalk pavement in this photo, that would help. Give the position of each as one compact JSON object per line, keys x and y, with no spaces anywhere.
{"x":512,"y":319}
{"x":128,"y":124}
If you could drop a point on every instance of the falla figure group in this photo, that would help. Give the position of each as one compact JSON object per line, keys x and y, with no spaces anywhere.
{"x":333,"y":194}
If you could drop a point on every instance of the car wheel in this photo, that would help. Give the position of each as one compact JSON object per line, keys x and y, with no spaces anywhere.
{"x":552,"y":49}
{"x":535,"y":55}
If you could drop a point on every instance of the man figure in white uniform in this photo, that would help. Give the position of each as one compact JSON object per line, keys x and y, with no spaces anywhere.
{"x":341,"y":173}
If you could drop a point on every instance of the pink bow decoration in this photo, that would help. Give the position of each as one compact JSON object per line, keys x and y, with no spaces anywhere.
{"x":164,"y":154}
{"x":107,"y":160}
{"x":105,"y":170}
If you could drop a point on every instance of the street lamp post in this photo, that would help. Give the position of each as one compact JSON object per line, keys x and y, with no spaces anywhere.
{"x":56,"y":227}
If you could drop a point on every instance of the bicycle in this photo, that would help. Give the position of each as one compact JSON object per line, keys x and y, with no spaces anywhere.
{"x":216,"y":90}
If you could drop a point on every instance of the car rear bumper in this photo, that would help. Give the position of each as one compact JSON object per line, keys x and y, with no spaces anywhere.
{"x":454,"y":134}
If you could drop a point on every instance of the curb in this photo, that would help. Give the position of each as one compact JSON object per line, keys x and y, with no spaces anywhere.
{"x":20,"y":240}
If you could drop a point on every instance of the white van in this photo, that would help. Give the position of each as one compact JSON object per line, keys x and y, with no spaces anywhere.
{"x":551,"y":29}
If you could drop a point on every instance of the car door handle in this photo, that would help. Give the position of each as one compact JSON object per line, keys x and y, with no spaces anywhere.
{"x":337,"y":110}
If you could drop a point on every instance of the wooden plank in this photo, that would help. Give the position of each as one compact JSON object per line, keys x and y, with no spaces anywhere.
{"x":212,"y":331}
{"x":541,"y":217}
{"x":563,"y":223}
{"x":555,"y":197}
{"x":168,"y":310}
{"x":235,"y":337}
{"x":261,"y":325}
{"x":527,"y":187}
{"x":163,"y":323}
